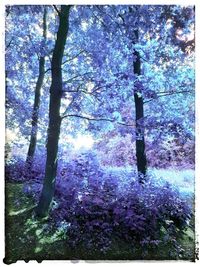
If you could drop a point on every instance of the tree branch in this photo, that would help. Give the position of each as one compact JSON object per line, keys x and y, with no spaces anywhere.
{"x":96,"y":119}
{"x":8,"y":8}
{"x":8,"y":45}
{"x":47,"y":70}
{"x":76,"y":76}
{"x":73,"y":57}
{"x":174,"y":92}
{"x":72,"y":101}
{"x":100,"y":21}
{"x":55,"y":7}
{"x":167,"y":94}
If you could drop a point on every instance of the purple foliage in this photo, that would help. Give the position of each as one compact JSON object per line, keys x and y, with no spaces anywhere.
{"x":136,"y":217}
{"x":102,"y":205}
{"x":99,"y":206}
{"x":16,"y":170}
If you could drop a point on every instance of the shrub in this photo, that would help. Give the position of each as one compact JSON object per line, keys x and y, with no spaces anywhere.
{"x":145,"y":215}
{"x":15,"y":170}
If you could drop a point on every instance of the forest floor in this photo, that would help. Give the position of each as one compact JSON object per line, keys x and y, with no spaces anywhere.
{"x":25,"y":238}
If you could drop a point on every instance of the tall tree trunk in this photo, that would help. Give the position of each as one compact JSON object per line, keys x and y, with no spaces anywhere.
{"x":139,"y":111}
{"x":34,"y":121}
{"x":54,"y":115}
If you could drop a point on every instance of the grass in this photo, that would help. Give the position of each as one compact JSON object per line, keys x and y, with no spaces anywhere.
{"x":24,"y":234}
{"x":28,"y":239}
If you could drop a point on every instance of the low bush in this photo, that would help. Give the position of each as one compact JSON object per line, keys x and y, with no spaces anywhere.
{"x":104,"y":205}
{"x":16,"y":170}
{"x":144,"y":216}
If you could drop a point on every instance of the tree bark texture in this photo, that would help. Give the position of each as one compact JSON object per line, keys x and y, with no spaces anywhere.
{"x":54,"y":115}
{"x":34,"y":120}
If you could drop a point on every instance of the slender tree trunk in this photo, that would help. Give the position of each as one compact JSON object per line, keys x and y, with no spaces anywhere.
{"x":139,"y":111}
{"x":54,"y":115}
{"x":34,"y":121}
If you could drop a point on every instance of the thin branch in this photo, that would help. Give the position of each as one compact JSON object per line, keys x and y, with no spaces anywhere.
{"x":78,"y":90}
{"x":144,"y":59}
{"x":76,"y":76}
{"x":47,"y":70}
{"x":96,"y":119}
{"x":167,"y":94}
{"x":88,"y":118}
{"x":8,"y":10}
{"x":55,"y":7}
{"x":100,"y":21}
{"x":174,"y":92}
{"x":94,"y":90}
{"x":71,"y":79}
{"x":121,"y":18}
{"x":72,"y":101}
{"x":125,"y":124}
{"x":73,"y":57}
{"x":9,"y":43}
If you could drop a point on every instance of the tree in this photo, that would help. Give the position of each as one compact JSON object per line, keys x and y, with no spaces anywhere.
{"x":127,"y":16}
{"x":139,"y":117}
{"x":24,"y":48}
{"x":54,"y":114}
{"x":34,"y":120}
{"x":132,"y":22}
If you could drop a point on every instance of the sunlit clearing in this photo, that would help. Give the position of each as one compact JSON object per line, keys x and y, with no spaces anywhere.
{"x":82,"y":141}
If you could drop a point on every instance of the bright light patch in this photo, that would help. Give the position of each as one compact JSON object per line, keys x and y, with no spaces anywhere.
{"x":50,"y":35}
{"x":11,"y":135}
{"x":75,"y":60}
{"x":90,"y":86}
{"x":39,"y":135}
{"x":65,"y":103}
{"x":169,"y":24}
{"x":84,"y":25}
{"x":82,"y":141}
{"x":185,"y":37}
{"x":38,"y":29}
